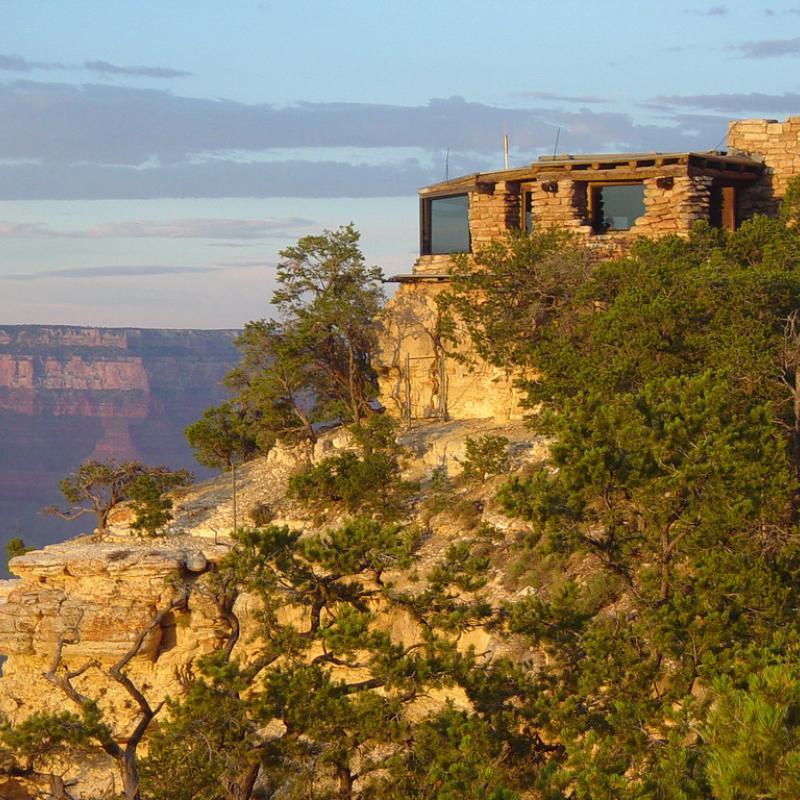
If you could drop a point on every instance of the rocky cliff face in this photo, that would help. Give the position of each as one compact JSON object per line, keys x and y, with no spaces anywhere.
{"x":98,"y":596}
{"x":68,"y":394}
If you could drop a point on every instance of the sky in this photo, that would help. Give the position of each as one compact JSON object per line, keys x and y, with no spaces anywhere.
{"x":155,"y":157}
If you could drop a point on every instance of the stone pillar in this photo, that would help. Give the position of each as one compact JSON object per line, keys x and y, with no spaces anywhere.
{"x":560,"y":204}
{"x":493,"y":210}
{"x":777,"y":144}
{"x":672,"y":204}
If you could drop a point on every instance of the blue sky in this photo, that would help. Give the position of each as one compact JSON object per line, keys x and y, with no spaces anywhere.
{"x":156,"y":156}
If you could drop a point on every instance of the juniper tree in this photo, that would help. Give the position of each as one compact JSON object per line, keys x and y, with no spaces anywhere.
{"x":666,"y":383}
{"x":312,"y":362}
{"x":70,"y":734}
{"x":324,"y":705}
{"x":328,"y":300}
{"x":97,"y":487}
{"x":222,"y":436}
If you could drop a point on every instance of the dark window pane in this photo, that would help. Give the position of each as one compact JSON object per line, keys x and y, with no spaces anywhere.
{"x":616,"y":208}
{"x":449,"y":224}
{"x":527,"y":204}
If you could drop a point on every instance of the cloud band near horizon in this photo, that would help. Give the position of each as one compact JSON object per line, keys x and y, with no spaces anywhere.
{"x":65,"y":142}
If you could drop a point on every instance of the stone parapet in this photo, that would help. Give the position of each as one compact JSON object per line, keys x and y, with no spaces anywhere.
{"x":433,"y":265}
{"x":777,"y":144}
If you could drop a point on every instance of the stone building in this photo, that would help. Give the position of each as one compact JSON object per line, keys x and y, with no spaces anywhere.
{"x":607,"y":200}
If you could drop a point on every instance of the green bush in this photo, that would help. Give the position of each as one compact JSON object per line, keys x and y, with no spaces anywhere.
{"x":148,"y":499}
{"x":367,"y":481}
{"x":15,"y":547}
{"x":485,"y":457}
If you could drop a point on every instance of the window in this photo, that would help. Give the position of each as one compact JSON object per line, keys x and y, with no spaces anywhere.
{"x":445,"y":225}
{"x":527,"y":211}
{"x":615,"y":206}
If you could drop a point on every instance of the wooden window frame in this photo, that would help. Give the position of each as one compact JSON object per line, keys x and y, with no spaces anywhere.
{"x":425,"y":222}
{"x":525,"y":193}
{"x":591,"y":186}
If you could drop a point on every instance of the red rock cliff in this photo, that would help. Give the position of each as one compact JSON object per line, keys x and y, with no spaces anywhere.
{"x":67,"y":394}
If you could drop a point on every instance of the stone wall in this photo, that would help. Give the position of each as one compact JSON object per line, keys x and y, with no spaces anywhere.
{"x":433,"y":265}
{"x":410,"y":357}
{"x":672,"y":204}
{"x":673,"y":201}
{"x":493,"y":210}
{"x":560,"y":204}
{"x":778,"y":145}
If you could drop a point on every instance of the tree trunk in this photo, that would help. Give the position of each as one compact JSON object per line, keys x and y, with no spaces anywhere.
{"x":795,"y":446}
{"x":58,"y":788}
{"x":354,"y":401}
{"x":344,"y":778}
{"x":242,"y":788}
{"x":130,"y":775}
{"x":664,"y":566}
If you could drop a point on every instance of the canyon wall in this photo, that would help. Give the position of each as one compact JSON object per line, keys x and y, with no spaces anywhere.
{"x":69,"y":393}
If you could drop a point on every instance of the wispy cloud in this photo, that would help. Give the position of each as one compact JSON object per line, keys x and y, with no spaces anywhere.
{"x":10,"y":63}
{"x":177,"y":229}
{"x":71,"y":142}
{"x":104,"y":67}
{"x":145,"y":270}
{"x":767,"y":48}
{"x":563,"y":98}
{"x":62,"y":124}
{"x":244,"y":263}
{"x":712,"y":11}
{"x":733,"y":102}
{"x":139,"y":270}
{"x":13,"y":63}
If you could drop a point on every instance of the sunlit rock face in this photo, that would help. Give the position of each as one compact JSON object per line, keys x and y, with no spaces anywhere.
{"x":69,"y":393}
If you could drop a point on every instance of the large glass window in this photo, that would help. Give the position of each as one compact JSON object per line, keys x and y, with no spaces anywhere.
{"x":446,"y":225}
{"x":615,"y":207}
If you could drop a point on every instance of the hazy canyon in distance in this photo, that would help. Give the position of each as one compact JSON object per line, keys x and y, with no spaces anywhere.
{"x":68,"y":394}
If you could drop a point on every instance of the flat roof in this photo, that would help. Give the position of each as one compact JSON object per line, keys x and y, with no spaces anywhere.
{"x":609,"y":166}
{"x":417,"y":277}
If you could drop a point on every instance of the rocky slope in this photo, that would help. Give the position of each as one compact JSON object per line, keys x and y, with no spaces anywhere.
{"x":100,"y":595}
{"x":68,"y":394}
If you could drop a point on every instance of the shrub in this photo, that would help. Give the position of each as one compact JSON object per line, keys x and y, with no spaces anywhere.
{"x":485,"y":457}
{"x":366,"y":482}
{"x":261,"y":514}
{"x":15,"y":547}
{"x":148,"y":499}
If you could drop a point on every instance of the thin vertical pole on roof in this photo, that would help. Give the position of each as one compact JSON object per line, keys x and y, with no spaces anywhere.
{"x":505,"y":149}
{"x":447,"y":164}
{"x":558,"y":136}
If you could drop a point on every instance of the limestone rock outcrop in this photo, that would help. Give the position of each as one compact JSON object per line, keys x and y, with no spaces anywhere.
{"x":96,"y":597}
